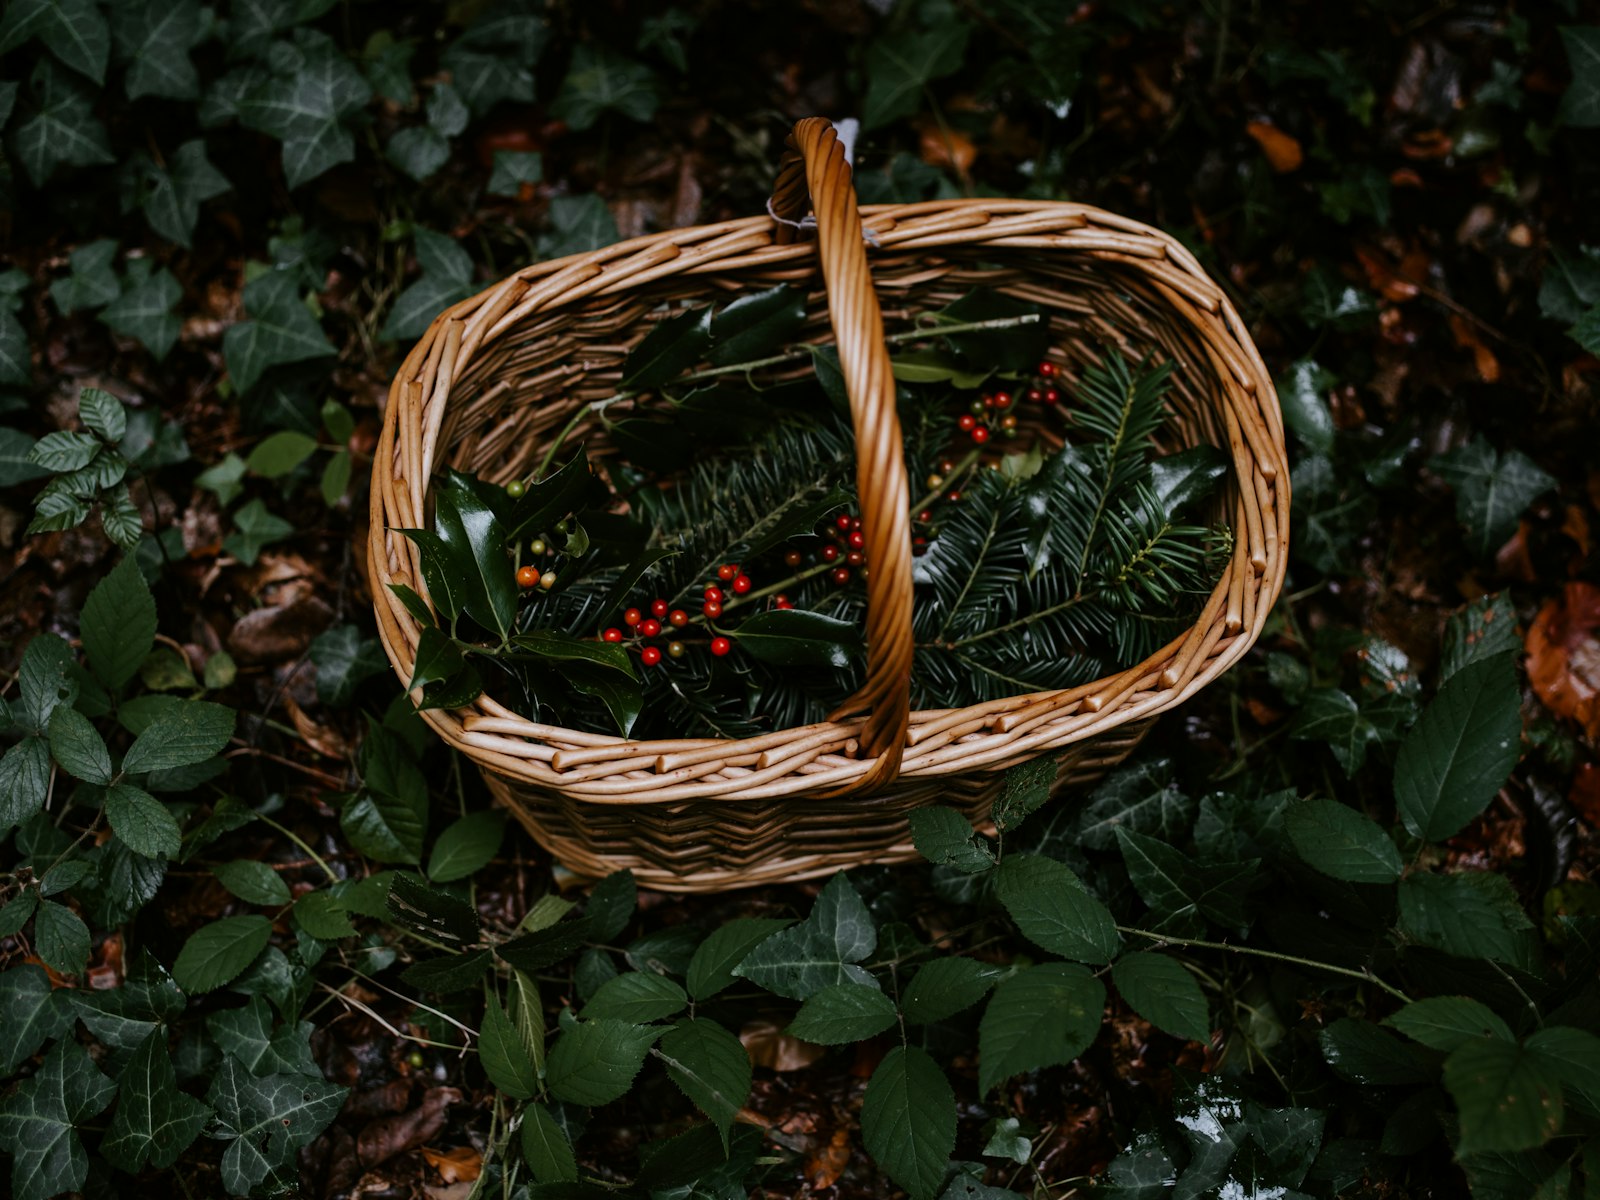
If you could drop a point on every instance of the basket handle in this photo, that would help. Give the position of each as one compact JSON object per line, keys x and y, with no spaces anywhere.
{"x":813,"y":167}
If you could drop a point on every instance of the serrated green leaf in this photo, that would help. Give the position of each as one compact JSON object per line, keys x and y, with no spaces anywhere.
{"x":1462,"y":749}
{"x":324,"y":916}
{"x":1161,"y":991}
{"x":945,"y":838}
{"x":118,"y":624}
{"x":37,"y":1122}
{"x":1024,"y":789}
{"x":153,"y":1122}
{"x":545,"y":1147}
{"x":1342,"y":843}
{"x":843,"y":1013}
{"x":1492,"y":490}
{"x":1507,"y":1099}
{"x":908,"y":1120}
{"x":711,"y":969}
{"x":253,"y":882}
{"x":1363,"y":1053}
{"x":1043,"y":1016}
{"x":466,"y":846}
{"x":504,"y":1058}
{"x":1573,"y":1056}
{"x":637,"y":997}
{"x":1053,"y":909}
{"x":220,"y":952}
{"x":181,"y":735}
{"x":595,"y":1062}
{"x":78,"y":747}
{"x":142,"y":822}
{"x":1471,"y":914}
{"x":945,"y":987}
{"x":432,"y":913}
{"x":24,"y":781}
{"x":1448,"y":1022}
{"x":451,"y":973}
{"x":711,"y":1067}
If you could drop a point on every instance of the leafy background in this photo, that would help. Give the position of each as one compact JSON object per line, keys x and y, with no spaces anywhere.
{"x":225,"y":222}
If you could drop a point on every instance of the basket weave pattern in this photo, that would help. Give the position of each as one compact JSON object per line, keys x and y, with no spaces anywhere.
{"x":496,"y":376}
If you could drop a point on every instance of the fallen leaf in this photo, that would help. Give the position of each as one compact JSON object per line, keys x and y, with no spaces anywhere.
{"x":825,"y":1166}
{"x":279,"y":633}
{"x":946,"y":148}
{"x":1513,"y":561}
{"x":1576,"y":527}
{"x":1563,"y":647}
{"x":1585,"y":794}
{"x":382,"y":1139}
{"x":462,"y":1164}
{"x":1282,"y":150}
{"x":1430,"y":143}
{"x":768,"y":1046}
{"x":1482,"y":357}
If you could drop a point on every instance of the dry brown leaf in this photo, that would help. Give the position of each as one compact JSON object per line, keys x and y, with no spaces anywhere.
{"x":1564,"y":655}
{"x":1585,"y":795}
{"x":1282,"y":150}
{"x":1576,"y":527}
{"x":382,"y":1139}
{"x":1482,"y":357}
{"x":825,"y":1166}
{"x":462,"y":1164}
{"x":768,"y":1046}
{"x":324,"y":739}
{"x":945,"y":148}
{"x":279,"y":632}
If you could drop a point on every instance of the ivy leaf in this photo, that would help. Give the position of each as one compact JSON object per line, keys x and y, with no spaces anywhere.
{"x":466,"y":846}
{"x":578,"y":224}
{"x":306,"y":105}
{"x":1461,"y":751}
{"x":74,"y":30}
{"x":1448,"y":1022}
{"x":1330,"y":715}
{"x":493,"y":59}
{"x":711,"y":1067}
{"x":908,"y":1120}
{"x":712,"y":967}
{"x":218,"y":953}
{"x":794,"y":637}
{"x":1342,"y":843}
{"x":247,"y":1034}
{"x":546,"y":1148}
{"x":61,"y":127}
{"x":173,"y":195}
{"x":945,"y":987}
{"x":418,"y":150}
{"x":823,"y":949}
{"x":61,"y":938}
{"x":1492,"y":490}
{"x":16,"y":367}
{"x":142,"y":822}
{"x":36,"y":1122}
{"x":1053,"y":909}
{"x":344,"y":660}
{"x":1164,"y":993}
{"x":255,"y":528}
{"x":1141,"y":798}
{"x":1179,"y":890}
{"x":504,"y":1059}
{"x":1580,"y":104}
{"x":1303,"y":392}
{"x":154,"y":1122}
{"x":513,"y":169}
{"x":599,"y":81}
{"x":595,"y":1062}
{"x":944,"y":837}
{"x":280,"y":330}
{"x":323,"y":916}
{"x":183,"y":734}
{"x":143,"y":311}
{"x":33,"y":1012}
{"x":154,"y":38}
{"x":265,"y":1121}
{"x":93,"y":281}
{"x":1043,"y":1016}
{"x":1483,"y":629}
{"x":842,"y":1013}
{"x":446,"y":279}
{"x":900,"y":66}
{"x":1507,"y":1098}
{"x":637,"y":997}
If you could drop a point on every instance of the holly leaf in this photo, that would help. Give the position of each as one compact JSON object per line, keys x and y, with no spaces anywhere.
{"x":908,"y":1120}
{"x":669,"y":349}
{"x":1043,"y":1016}
{"x":794,"y":637}
{"x":154,"y":1121}
{"x":757,"y":324}
{"x":37,"y":1120}
{"x":600,"y":81}
{"x":265,"y":1121}
{"x":281,"y":330}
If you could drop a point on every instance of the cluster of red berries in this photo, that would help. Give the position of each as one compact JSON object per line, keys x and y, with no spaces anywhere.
{"x":645,"y":627}
{"x":847,"y":546}
{"x":991,"y":415}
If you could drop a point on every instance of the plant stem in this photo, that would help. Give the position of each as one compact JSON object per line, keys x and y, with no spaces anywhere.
{"x":790,"y":355}
{"x":1364,"y":976}
{"x":966,"y":462}
{"x":295,"y":838}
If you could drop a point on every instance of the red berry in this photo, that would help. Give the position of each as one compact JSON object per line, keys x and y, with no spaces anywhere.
{"x":1002,"y":399}
{"x":953,"y":496}
{"x":1035,"y":395}
{"x":650,"y":655}
{"x":741,"y":584}
{"x":988,"y":401}
{"x":714,"y":593}
{"x":720,"y":646}
{"x":528,"y":577}
{"x":794,"y":558}
{"x":855,"y":522}
{"x":1047,"y":369}
{"x":980,"y":435}
{"x":855,"y":558}
{"x":713,"y":609}
{"x":924,"y":516}
{"x":967,"y":421}
{"x":829,"y":553}
{"x":658,"y":608}
{"x":841,"y":575}
{"x":727,"y":571}
{"x":843,"y":522}
{"x":677,"y":618}
{"x":857,"y":540}
{"x":781,"y":601}
{"x":1051,"y":396}
{"x":612,"y":635}
{"x":632,"y":617}
{"x":649,"y":627}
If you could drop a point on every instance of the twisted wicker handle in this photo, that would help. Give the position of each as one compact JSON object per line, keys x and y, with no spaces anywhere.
{"x":814,"y":167}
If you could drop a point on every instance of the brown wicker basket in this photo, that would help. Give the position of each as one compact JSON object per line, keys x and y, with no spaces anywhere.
{"x":498,"y":375}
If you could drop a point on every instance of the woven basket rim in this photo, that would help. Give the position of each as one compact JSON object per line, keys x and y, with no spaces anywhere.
{"x":608,"y":769}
